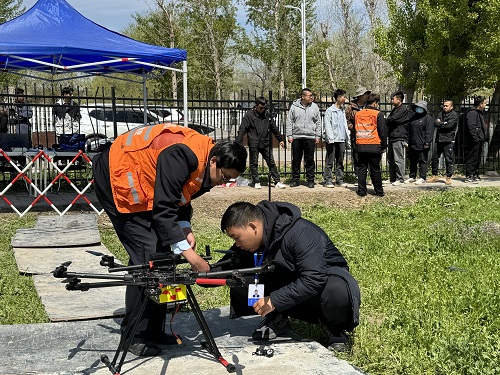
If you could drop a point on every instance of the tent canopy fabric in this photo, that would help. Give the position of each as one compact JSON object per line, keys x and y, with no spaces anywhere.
{"x":53,"y":37}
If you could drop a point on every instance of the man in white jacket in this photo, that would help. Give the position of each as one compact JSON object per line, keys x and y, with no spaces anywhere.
{"x":336,"y":136}
{"x":303,"y":130}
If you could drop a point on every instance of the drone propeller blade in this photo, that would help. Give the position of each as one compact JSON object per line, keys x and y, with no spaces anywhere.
{"x":224,"y":251}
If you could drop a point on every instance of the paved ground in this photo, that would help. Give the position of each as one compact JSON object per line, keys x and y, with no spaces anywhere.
{"x":76,"y":347}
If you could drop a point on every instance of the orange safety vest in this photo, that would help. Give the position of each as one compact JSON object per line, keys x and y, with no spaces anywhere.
{"x":133,"y":157}
{"x":365,"y":123}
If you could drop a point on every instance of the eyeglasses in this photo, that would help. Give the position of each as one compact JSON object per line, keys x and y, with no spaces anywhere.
{"x":224,"y":176}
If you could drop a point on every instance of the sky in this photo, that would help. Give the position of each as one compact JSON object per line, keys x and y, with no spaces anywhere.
{"x":115,"y":15}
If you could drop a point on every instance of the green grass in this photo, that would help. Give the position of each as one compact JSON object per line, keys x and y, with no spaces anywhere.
{"x":429,"y":276}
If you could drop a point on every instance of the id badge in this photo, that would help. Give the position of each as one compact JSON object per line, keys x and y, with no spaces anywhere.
{"x":255,"y":292}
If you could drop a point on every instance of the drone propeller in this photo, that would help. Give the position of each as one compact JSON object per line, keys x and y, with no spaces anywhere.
{"x":96,"y":253}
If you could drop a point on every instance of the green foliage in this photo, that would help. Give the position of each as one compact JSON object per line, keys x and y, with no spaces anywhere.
{"x":10,"y":9}
{"x":449,"y":49}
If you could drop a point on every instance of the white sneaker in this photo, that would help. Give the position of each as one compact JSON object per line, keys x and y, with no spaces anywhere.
{"x":280,"y":185}
{"x":257,"y":186}
{"x":410,"y":181}
{"x":420,"y":181}
{"x":397,"y":183}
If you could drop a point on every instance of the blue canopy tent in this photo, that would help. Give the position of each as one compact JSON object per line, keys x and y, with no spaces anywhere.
{"x":53,"y":37}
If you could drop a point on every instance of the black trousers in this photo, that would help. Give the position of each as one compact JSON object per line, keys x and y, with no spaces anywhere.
{"x":445,"y":148}
{"x":303,"y":147}
{"x":140,"y":241}
{"x":354,"y":155}
{"x":473,"y":158}
{"x":371,"y":160}
{"x":254,"y":163}
{"x":418,"y":158}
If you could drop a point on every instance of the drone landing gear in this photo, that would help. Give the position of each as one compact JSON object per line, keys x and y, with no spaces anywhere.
{"x":129,"y":333}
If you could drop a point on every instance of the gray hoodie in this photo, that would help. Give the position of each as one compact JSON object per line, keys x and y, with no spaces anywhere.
{"x":303,"y":122}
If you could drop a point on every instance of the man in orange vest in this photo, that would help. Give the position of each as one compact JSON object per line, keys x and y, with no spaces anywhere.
{"x":371,"y":142}
{"x":145,"y":181}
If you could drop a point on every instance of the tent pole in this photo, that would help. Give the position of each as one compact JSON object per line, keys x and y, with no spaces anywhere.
{"x":145,"y":96}
{"x":185,"y":92}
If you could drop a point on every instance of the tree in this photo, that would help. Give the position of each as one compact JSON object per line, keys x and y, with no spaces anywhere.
{"x":211,"y":35}
{"x":276,"y":39}
{"x":402,"y":41}
{"x":10,"y":9}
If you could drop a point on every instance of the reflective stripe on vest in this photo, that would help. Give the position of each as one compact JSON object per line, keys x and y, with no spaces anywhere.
{"x":133,"y":190}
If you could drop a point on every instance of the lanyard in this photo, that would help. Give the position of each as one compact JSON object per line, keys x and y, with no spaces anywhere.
{"x":258,"y":263}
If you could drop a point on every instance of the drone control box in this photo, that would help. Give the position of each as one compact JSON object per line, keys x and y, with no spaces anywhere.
{"x":173,"y":293}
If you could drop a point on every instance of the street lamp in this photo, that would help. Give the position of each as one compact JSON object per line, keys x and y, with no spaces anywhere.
{"x":302,"y":11}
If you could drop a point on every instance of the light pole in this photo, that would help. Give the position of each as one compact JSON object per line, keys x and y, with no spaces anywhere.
{"x":302,"y":11}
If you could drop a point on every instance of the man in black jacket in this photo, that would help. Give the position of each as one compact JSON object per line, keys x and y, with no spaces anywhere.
{"x":398,"y":123}
{"x":420,"y":140}
{"x":475,"y":130}
{"x":446,"y":124}
{"x":311,"y":280}
{"x":257,"y":124}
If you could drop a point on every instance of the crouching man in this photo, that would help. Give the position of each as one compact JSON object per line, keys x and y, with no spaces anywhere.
{"x":311,"y":281}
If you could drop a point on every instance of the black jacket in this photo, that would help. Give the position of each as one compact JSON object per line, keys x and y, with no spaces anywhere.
{"x":4,"y":123}
{"x":257,"y":127}
{"x":446,"y":129}
{"x":398,"y":123}
{"x":475,"y":125}
{"x":421,"y":131}
{"x":302,"y":253}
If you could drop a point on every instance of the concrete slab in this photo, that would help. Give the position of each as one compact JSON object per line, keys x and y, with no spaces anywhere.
{"x":55,"y":237}
{"x":63,"y":305}
{"x":79,"y":221}
{"x":44,"y":260}
{"x":75,"y":348}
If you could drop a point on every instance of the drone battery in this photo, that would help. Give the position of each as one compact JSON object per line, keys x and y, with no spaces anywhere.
{"x":173,"y":293}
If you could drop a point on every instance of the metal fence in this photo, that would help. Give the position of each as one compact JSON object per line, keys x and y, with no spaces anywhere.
{"x":105,"y":116}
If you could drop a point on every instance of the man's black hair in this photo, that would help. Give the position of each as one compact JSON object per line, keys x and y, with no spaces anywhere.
{"x":399,"y":95}
{"x":338,"y":93}
{"x":305,"y":89}
{"x":230,"y":154}
{"x":19,"y":91}
{"x":261,"y":101}
{"x":240,"y":214}
{"x":373,"y":98}
{"x":67,"y":90}
{"x":478,"y":100}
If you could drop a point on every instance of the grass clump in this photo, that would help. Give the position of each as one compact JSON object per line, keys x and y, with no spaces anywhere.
{"x":429,"y":275}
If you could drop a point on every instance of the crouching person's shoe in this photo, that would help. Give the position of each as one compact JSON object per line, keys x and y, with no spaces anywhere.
{"x":270,"y":328}
{"x":338,"y":342}
{"x":144,"y":349}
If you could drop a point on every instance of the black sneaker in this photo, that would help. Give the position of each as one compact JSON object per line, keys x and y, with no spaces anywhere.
{"x":144,"y":349}
{"x":310,"y":184}
{"x":294,"y":183}
{"x":338,"y":342}
{"x":270,"y":328}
